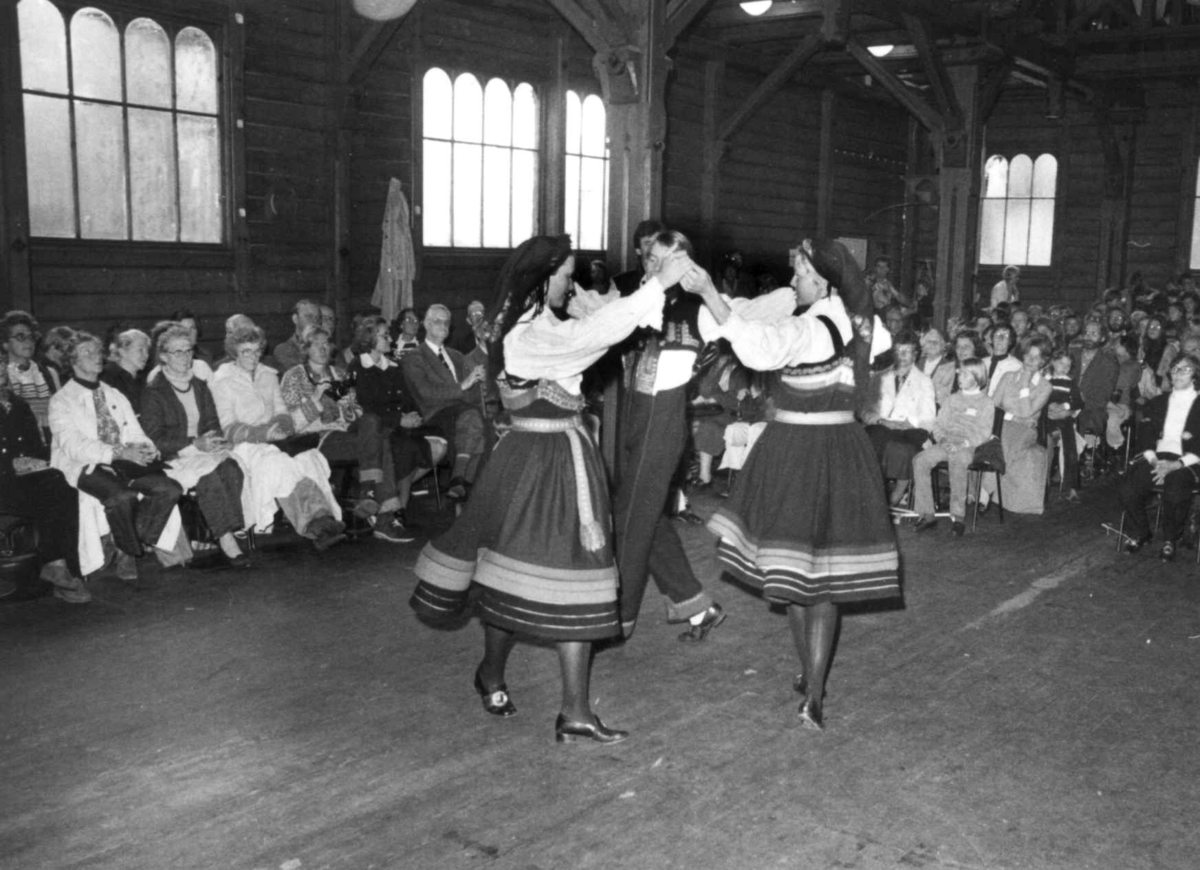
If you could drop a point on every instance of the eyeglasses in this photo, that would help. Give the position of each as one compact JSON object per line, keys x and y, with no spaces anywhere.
{"x":250,"y":351}
{"x":1188,"y":370}
{"x":182,"y":352}
{"x":21,"y":336}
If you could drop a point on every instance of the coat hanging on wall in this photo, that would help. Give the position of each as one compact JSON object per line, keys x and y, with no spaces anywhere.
{"x":383,"y":10}
{"x":397,"y":262}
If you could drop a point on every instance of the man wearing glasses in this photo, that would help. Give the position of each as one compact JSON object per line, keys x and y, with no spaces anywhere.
{"x":1169,"y":465}
{"x":439,"y":379}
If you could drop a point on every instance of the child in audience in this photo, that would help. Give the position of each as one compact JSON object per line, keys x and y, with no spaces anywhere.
{"x":1059,"y":416}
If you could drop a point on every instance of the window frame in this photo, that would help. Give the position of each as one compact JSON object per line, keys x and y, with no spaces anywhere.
{"x":1193,"y":257}
{"x":223,"y":24}
{"x":483,"y":75}
{"x":1008,"y":198}
{"x":584,"y":93}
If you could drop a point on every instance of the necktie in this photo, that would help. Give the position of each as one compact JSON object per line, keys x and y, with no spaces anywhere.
{"x":446,"y":361}
{"x":106,"y":426}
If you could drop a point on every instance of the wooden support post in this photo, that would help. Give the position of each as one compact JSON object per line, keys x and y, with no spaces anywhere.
{"x":959,"y":176}
{"x":14,"y":197}
{"x":554,"y":123}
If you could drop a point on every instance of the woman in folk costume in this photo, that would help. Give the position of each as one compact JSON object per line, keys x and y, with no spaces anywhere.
{"x":536,"y":535}
{"x":820,"y":535}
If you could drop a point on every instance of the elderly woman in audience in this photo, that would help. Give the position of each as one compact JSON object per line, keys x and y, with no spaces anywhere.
{"x":1022,"y":395}
{"x":934,"y":364}
{"x":253,"y":415}
{"x":201,"y":359}
{"x":126,"y":361}
{"x":963,"y":423}
{"x":54,"y":354}
{"x":100,"y":446}
{"x":390,"y":419}
{"x":31,"y":489}
{"x":27,"y":378}
{"x":899,"y":424}
{"x":179,"y":415}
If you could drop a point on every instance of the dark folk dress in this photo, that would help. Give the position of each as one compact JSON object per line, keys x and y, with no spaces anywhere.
{"x":807,"y":520}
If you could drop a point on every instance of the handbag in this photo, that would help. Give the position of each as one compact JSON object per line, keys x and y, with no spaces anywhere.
{"x":991,"y":452}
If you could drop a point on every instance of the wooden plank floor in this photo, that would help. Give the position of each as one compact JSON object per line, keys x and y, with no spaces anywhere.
{"x":1032,"y":705}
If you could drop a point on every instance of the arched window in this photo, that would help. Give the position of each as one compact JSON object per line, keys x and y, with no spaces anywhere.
{"x":1194,"y":263}
{"x":1016,"y":211}
{"x":479,"y":162}
{"x":586,"y":206}
{"x":122,"y":127}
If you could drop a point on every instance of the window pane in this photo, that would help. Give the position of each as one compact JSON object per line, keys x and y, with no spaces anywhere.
{"x":95,"y":56}
{"x":524,"y":187}
{"x":991,"y":231}
{"x":574,"y":124}
{"x":438,"y":103}
{"x":1045,"y":176}
{"x":199,"y":179}
{"x":497,"y":192}
{"x":100,"y":161}
{"x":525,"y":120}
{"x":1016,"y":231}
{"x":148,"y":64}
{"x":195,"y":72}
{"x":995,"y":174}
{"x":435,"y":193}
{"x":571,"y":203}
{"x":152,"y":184}
{"x":468,"y":109}
{"x":595,"y":131}
{"x":468,"y":189}
{"x":497,"y":114}
{"x":48,"y":167}
{"x":592,"y":206}
{"x":1020,"y":176}
{"x":43,"y":47}
{"x":1195,"y":262}
{"x":1041,"y":232}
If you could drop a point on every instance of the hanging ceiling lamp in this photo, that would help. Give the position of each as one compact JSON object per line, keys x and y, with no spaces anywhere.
{"x":756,"y":7}
{"x":383,"y":10}
{"x":880,"y":50}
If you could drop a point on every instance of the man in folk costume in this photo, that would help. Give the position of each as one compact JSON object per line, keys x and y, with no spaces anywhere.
{"x":651,"y":440}
{"x":1174,"y":420}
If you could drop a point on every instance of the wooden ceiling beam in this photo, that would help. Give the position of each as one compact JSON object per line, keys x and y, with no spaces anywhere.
{"x":597,"y":28}
{"x":935,"y":69}
{"x":680,"y":14}
{"x":800,"y":55}
{"x":899,"y":91}
{"x":366,"y":51}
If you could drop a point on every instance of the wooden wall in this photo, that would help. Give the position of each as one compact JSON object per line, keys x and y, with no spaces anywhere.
{"x":1160,"y":150}
{"x":284,"y":250}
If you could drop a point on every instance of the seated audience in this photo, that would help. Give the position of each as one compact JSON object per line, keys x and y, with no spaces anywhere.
{"x":1170,"y":419}
{"x":391,"y":413}
{"x":180,"y":417}
{"x":202,"y":360}
{"x":1021,"y":395}
{"x":100,"y":447}
{"x":967,"y":345}
{"x":962,"y":424}
{"x":1095,"y":368}
{"x":127,"y":359}
{"x":31,"y":489}
{"x":290,"y":353}
{"x":726,"y":394}
{"x":1001,"y":361}
{"x":935,"y":366}
{"x":253,"y":415}
{"x":408,"y":338}
{"x":1059,"y":415}
{"x":1120,"y":405}
{"x":439,"y":379}
{"x":27,"y":378}
{"x":54,"y":350}
{"x":465,"y":339}
{"x":899,"y":424}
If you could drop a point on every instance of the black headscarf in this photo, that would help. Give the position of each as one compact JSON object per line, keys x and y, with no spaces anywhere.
{"x":521,"y":285}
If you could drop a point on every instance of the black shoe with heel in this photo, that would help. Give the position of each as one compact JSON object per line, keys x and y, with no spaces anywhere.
{"x":495,"y":701}
{"x":713,"y":617}
{"x":811,"y":715}
{"x":566,"y":731}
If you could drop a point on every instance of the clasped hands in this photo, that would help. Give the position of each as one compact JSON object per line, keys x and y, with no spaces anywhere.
{"x":211,"y":442}
{"x":141,"y":453}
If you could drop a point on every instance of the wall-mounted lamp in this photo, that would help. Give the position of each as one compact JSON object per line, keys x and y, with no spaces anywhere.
{"x":756,"y":7}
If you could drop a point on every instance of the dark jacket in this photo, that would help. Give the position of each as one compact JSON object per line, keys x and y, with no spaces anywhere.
{"x":164,"y":418}
{"x":433,"y":387}
{"x":1154,"y":418}
{"x":20,"y":435}
{"x":131,"y":386}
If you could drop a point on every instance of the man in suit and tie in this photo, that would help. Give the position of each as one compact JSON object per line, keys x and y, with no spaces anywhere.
{"x":439,"y":379}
